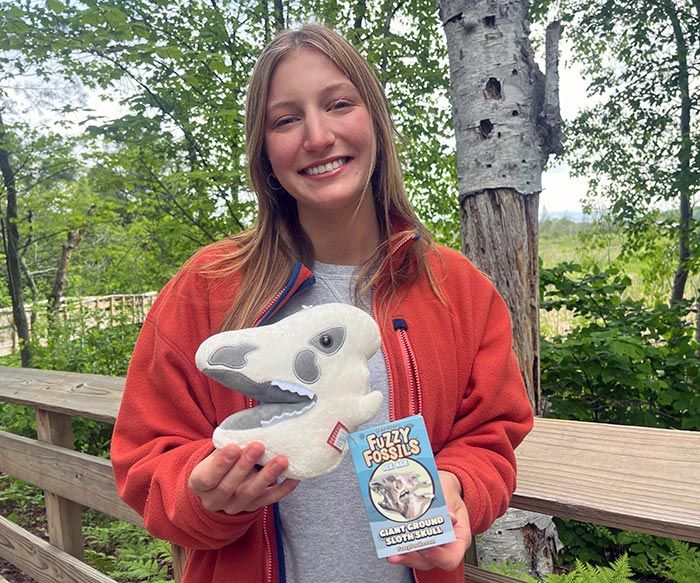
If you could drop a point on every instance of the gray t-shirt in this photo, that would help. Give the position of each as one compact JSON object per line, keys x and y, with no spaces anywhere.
{"x":325,"y":531}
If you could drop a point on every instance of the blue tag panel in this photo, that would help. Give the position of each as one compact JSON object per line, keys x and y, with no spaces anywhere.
{"x":400,"y":487}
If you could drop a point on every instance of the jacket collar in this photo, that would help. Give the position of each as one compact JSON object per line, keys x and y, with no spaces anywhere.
{"x":402,"y":237}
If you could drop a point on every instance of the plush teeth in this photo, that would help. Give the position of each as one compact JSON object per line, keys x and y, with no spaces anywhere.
{"x":326,"y":167}
{"x":296,"y":389}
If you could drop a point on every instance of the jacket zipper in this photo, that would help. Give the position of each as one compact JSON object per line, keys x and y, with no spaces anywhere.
{"x":250,"y":403}
{"x":414,"y":395}
{"x":409,"y":359}
{"x":268,"y":545}
{"x":392,"y":412}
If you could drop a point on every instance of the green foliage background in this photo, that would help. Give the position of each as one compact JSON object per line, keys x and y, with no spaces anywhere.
{"x":163,"y":173}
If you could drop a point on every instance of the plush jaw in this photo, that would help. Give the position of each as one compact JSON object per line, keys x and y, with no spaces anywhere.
{"x":279,"y":401}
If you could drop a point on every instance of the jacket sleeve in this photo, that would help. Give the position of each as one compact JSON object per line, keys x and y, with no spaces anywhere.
{"x":164,"y":427}
{"x":494,"y":415}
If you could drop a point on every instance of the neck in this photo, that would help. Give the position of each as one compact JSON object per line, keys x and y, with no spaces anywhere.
{"x":342,"y":237}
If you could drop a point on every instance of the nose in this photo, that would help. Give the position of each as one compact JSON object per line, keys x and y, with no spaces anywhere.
{"x":318,"y":135}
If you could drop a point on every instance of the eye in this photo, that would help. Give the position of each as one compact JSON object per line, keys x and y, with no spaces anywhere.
{"x":283,"y":121}
{"x":340,"y":104}
{"x":329,"y":341}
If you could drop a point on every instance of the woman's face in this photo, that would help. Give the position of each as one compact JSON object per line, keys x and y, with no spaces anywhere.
{"x":319,"y":135}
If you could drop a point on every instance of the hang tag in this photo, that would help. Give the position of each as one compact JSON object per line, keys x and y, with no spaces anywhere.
{"x":400,"y":487}
{"x":338,"y":438}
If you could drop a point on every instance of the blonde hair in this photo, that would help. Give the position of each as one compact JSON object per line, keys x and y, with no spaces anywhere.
{"x":266,"y":253}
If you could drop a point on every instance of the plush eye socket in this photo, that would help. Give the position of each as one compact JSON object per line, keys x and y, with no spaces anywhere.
{"x":329,"y":341}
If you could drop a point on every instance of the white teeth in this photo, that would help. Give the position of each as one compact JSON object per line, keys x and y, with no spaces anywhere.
{"x":326,"y":167}
{"x":296,"y":389}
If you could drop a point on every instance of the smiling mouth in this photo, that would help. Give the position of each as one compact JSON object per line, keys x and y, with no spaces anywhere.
{"x":279,"y":401}
{"x":325,"y":168}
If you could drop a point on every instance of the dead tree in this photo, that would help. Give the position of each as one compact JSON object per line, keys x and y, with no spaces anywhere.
{"x":507,"y":123}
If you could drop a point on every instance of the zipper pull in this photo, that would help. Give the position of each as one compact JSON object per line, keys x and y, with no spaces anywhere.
{"x":415,"y":399}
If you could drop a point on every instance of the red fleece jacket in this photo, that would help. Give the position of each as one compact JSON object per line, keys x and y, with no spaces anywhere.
{"x":468,"y":388}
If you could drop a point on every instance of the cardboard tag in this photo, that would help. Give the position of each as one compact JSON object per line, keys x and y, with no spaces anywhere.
{"x":400,"y":487}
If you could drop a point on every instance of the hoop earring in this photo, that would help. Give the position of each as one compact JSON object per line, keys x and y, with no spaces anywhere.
{"x":270,"y":178}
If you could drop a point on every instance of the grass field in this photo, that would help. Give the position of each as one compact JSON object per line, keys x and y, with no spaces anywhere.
{"x":650,"y":267}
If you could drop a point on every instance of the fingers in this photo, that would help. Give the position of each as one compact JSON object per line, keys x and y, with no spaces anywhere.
{"x":230,"y":479}
{"x":250,"y":456}
{"x":211,"y":470}
{"x":448,"y":556}
{"x":269,"y":496}
{"x":257,"y":488}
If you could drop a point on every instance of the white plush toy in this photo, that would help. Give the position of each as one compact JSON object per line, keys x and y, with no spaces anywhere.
{"x":309,"y":372}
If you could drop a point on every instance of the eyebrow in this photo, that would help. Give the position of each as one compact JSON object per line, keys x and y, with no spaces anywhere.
{"x":324,"y":91}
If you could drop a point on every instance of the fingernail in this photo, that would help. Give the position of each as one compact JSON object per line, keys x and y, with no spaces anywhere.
{"x":253,"y":452}
{"x":231,"y":456}
{"x":277,"y":465}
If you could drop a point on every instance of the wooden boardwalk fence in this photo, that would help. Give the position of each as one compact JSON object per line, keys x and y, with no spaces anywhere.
{"x":635,"y":478}
{"x":132,"y":307}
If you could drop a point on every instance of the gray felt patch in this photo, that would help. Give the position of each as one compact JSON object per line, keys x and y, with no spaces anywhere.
{"x":232,"y":356}
{"x":305,"y":367}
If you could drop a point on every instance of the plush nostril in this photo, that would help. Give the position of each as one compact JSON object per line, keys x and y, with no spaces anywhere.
{"x":305,"y":367}
{"x":232,"y":356}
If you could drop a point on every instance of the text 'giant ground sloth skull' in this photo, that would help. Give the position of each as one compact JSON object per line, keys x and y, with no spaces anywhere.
{"x":310,"y":376}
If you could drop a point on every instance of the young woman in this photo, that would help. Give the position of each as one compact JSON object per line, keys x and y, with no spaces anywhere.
{"x":334,"y":224}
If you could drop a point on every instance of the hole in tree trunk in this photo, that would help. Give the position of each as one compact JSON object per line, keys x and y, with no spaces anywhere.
{"x":515,"y":113}
{"x":490,"y":21}
{"x":485,"y":128}
{"x":493,"y":89}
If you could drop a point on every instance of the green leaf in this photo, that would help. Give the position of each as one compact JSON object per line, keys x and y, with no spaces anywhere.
{"x":115,"y":17}
{"x":56,"y":6}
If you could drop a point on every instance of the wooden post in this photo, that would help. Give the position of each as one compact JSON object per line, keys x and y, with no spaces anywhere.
{"x":470,"y":556}
{"x":64,"y":517}
{"x":179,"y":559}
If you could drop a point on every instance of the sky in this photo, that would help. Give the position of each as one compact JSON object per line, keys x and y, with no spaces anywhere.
{"x":560,"y":191}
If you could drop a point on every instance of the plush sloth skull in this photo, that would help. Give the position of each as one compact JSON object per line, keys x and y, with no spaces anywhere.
{"x":309,"y":374}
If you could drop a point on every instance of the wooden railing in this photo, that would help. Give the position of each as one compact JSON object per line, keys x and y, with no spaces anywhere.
{"x":113,"y":307}
{"x":635,"y":478}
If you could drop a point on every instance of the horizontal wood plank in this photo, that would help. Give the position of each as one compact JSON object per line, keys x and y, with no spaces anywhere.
{"x":626,"y":477}
{"x":41,"y":560}
{"x":634,"y":478}
{"x":85,"y":395}
{"x":84,"y":479}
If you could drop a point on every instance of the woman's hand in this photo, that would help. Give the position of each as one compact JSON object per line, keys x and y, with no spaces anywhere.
{"x":229,"y":480}
{"x":451,"y":555}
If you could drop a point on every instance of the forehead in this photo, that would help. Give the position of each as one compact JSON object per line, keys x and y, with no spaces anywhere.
{"x":304,"y":73}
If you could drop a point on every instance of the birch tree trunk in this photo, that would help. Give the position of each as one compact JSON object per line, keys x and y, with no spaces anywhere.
{"x":506,"y":118}
{"x":12,"y":257}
